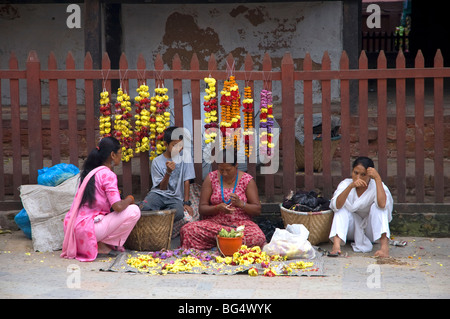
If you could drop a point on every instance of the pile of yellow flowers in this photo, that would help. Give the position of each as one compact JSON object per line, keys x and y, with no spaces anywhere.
{"x":148,"y":263}
{"x":160,"y":120}
{"x":248,"y":256}
{"x":211,"y":109}
{"x":194,"y":261}
{"x":122,"y":126}
{"x":105,"y":114}
{"x":142,"y":124}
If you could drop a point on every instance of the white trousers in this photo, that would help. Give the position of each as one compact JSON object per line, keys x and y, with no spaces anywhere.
{"x":363,"y":230}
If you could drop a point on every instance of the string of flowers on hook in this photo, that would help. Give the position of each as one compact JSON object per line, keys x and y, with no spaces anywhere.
{"x":160,"y":119}
{"x":123,"y":131}
{"x":142,"y":124}
{"x":266,"y":123}
{"x":230,"y":103}
{"x":247,"y":104}
{"x":105,"y":114}
{"x":210,"y":108}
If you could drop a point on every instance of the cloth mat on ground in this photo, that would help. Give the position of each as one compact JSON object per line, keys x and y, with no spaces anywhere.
{"x":119,"y":264}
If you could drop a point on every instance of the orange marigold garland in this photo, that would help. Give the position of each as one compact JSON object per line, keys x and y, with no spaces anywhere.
{"x":230,"y":103}
{"x":247,"y":103}
{"x":122,"y":126}
{"x":210,"y":107}
{"x":105,"y":115}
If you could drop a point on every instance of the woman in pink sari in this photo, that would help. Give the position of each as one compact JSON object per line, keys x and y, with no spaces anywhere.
{"x":229,"y":199}
{"x":99,"y":221}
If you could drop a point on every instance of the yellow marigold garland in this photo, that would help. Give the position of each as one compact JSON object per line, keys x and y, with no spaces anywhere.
{"x":160,"y":120}
{"x":142,"y":124}
{"x":247,"y":103}
{"x":210,"y":107}
{"x":105,"y":115}
{"x":122,"y":126}
{"x":230,"y":103}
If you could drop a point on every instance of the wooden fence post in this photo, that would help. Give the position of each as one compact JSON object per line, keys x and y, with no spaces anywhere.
{"x":143,"y":157}
{"x":345,"y":118}
{"x":308,"y":142}
{"x":382,"y":118}
{"x":33,"y":67}
{"x":288,"y":123}
{"x":177,"y":93}
{"x":439,"y":131}
{"x":363,"y":108}
{"x":55,"y":130}
{"x":248,"y":66}
{"x":2,"y":167}
{"x":326,"y":129}
{"x":196,"y":116}
{"x":127,"y":175}
{"x":419,"y":111}
{"x":269,"y":185}
{"x":15,"y":128}
{"x":401,"y":130}
{"x":90,"y":108}
{"x":72,"y":112}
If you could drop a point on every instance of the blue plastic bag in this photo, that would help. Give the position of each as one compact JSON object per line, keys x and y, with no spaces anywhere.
{"x":23,"y":222}
{"x":55,"y":175}
{"x":48,"y":176}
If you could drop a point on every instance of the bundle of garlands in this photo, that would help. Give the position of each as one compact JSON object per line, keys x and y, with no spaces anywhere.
{"x":247,"y":104}
{"x":266,"y":123}
{"x":142,"y":127}
{"x":122,"y":126}
{"x":158,"y":108}
{"x":230,"y":103}
{"x":105,"y":115}
{"x":210,"y":107}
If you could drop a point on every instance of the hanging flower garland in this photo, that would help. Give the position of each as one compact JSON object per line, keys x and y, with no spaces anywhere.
{"x":142,"y":128}
{"x":247,"y":103}
{"x":266,"y":123}
{"x":230,"y":103}
{"x":105,"y":114}
{"x":160,"y":120}
{"x":122,"y":126}
{"x":210,"y":107}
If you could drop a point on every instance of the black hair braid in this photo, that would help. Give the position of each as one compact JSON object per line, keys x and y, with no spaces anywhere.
{"x":97,"y":157}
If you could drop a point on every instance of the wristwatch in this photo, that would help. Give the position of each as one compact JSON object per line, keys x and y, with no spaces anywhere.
{"x":187,"y":202}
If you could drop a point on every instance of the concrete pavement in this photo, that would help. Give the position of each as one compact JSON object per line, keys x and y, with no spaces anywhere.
{"x":418,"y":270}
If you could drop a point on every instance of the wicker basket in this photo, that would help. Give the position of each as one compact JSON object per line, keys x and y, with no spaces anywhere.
{"x":318,"y":223}
{"x":317,"y":153}
{"x":152,"y":232}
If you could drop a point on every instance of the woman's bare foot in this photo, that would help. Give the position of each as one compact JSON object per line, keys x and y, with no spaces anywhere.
{"x":103,"y":248}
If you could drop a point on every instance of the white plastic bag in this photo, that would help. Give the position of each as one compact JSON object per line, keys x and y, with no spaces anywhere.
{"x":46,"y":207}
{"x":291,"y":242}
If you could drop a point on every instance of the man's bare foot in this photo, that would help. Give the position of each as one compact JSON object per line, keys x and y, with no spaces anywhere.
{"x":382,"y":253}
{"x":384,"y":249}
{"x":336,"y":250}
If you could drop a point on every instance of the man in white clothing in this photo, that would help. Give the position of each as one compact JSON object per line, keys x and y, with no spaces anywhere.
{"x":362,"y":208}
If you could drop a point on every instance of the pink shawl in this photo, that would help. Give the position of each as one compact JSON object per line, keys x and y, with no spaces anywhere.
{"x":69,"y":249}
